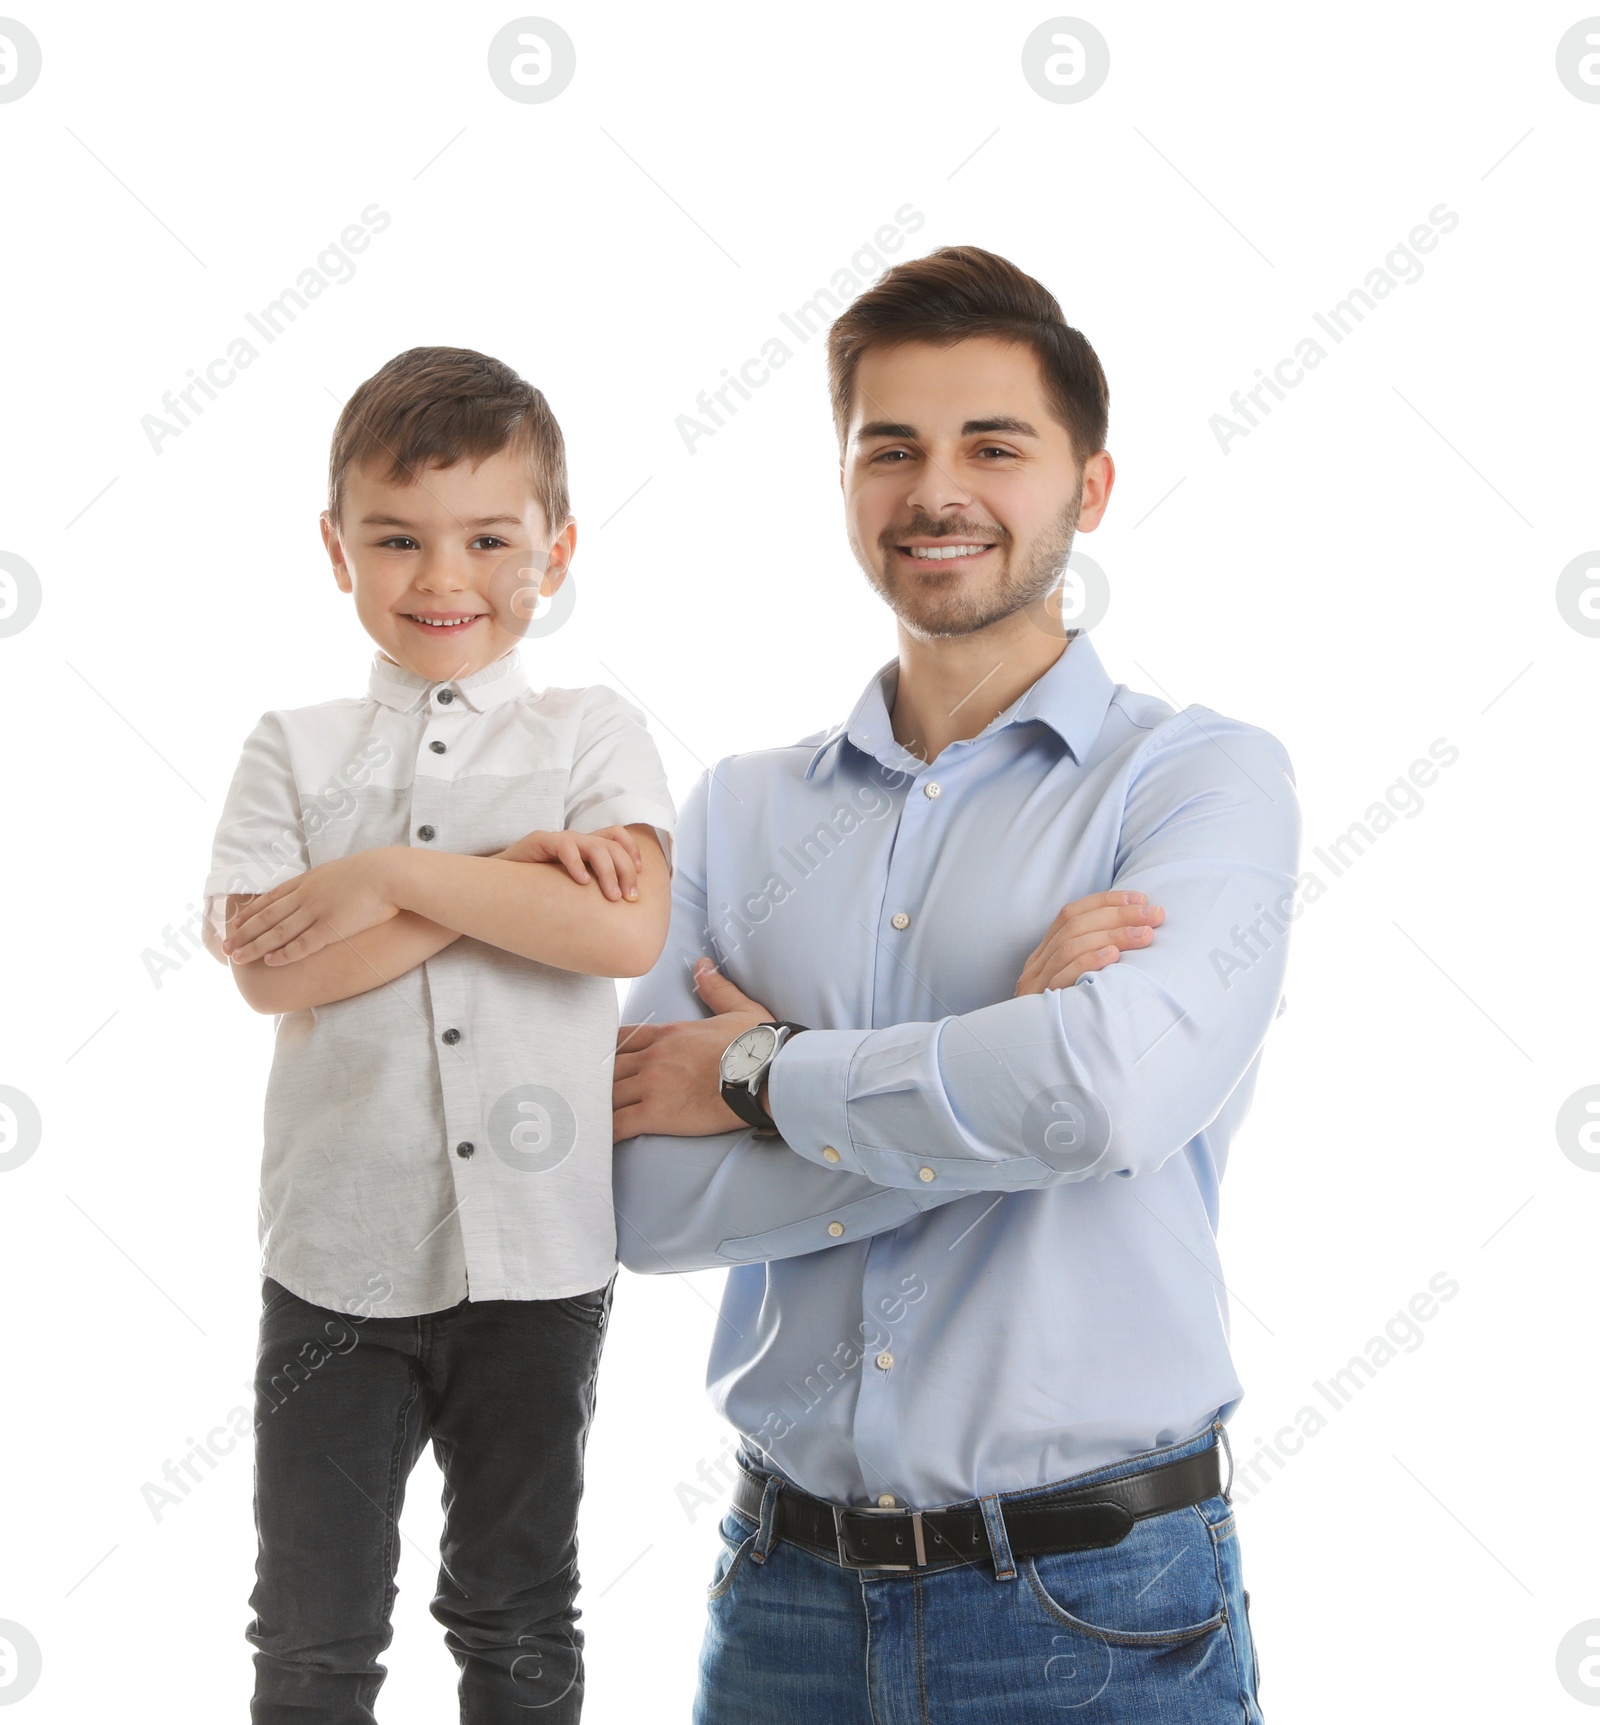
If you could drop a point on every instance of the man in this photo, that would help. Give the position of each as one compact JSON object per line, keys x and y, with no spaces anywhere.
{"x":974,"y":1333}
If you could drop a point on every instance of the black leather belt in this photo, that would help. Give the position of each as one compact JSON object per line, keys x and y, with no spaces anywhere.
{"x":867,"y":1537}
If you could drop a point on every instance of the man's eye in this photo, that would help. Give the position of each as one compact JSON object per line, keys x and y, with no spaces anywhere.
{"x":995,"y":449}
{"x":892,"y":455}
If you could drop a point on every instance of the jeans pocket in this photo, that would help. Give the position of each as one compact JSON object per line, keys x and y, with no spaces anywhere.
{"x":1158,"y":1587}
{"x":592,"y":1307}
{"x":274,"y":1296}
{"x":734,"y":1550}
{"x":1255,"y":1657}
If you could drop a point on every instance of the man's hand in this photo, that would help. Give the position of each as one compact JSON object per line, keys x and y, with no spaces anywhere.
{"x":1089,"y":934}
{"x":330,"y":902}
{"x":668,"y":1077}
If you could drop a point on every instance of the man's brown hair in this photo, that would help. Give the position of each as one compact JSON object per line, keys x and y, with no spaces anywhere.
{"x":962,"y":291}
{"x":443,"y":405}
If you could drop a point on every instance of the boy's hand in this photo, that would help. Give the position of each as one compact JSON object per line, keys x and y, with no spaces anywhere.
{"x":1089,"y":934}
{"x":611,"y":856}
{"x":330,"y":902}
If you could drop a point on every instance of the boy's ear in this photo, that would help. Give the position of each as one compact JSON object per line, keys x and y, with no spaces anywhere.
{"x":562,"y":549}
{"x":335,"y":549}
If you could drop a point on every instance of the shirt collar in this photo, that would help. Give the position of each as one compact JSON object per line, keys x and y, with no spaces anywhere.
{"x":404,"y":690}
{"x":1071,"y":698}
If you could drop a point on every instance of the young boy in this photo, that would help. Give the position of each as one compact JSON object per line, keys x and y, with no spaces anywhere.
{"x":433,"y":886}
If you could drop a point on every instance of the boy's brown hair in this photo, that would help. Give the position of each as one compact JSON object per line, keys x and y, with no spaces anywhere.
{"x":962,"y":291}
{"x":442,"y":405}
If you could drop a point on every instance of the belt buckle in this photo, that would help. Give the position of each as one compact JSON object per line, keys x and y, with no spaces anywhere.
{"x":841,"y":1510}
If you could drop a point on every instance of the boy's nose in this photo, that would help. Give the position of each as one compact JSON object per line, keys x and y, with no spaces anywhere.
{"x":443,"y":575}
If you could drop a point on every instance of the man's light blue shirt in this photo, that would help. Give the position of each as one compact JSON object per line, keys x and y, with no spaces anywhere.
{"x":981,"y":1256}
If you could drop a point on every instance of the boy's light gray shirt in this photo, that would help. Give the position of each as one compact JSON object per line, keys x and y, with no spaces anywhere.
{"x":405,"y":1167}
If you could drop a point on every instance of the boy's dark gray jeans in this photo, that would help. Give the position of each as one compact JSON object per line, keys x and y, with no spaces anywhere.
{"x":505,"y":1391}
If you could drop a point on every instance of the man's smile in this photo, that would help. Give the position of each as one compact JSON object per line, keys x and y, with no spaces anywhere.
{"x":945,"y":551}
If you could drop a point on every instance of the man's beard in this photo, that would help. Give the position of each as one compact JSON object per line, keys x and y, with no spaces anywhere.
{"x":952,"y":607}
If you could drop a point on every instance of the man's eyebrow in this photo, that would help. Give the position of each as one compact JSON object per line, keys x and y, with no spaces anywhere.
{"x":1004,"y":423}
{"x":973,"y":428}
{"x":481,"y":521}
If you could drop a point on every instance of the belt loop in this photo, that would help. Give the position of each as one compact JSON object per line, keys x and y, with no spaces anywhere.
{"x":1222,"y":1434}
{"x":769,"y":1513}
{"x":1005,"y":1567}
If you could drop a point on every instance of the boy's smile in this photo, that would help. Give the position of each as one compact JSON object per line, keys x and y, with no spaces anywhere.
{"x":446,"y":571}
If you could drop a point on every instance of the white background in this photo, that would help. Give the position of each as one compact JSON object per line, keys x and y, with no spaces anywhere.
{"x":1372,"y":568}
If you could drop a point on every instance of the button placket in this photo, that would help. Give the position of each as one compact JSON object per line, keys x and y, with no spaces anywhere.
{"x":428,"y":793}
{"x":456,"y":1065}
{"x":454,"y":1056}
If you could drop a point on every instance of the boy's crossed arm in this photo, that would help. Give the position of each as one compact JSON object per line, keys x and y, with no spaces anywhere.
{"x":357,"y":922}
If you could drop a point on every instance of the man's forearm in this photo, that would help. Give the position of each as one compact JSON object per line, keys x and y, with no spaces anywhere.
{"x":734,"y":1198}
{"x":538,"y":911}
{"x":345,"y":968}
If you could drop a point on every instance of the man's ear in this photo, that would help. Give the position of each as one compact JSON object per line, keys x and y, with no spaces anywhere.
{"x":334,"y":546}
{"x":1099,"y":475}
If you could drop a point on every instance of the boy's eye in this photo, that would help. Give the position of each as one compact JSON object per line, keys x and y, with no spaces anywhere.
{"x":490,"y":542}
{"x":398,"y":541}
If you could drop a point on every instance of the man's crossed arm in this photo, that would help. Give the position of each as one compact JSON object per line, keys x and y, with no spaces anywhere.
{"x":1110,"y":1075}
{"x":697,"y":1188}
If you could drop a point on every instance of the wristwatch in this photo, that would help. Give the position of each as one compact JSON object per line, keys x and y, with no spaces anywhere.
{"x":745,"y":1063}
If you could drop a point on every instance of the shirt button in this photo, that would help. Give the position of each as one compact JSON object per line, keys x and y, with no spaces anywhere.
{"x":930,"y":790}
{"x":900,"y":920}
{"x":445,"y":697}
{"x":452,"y":1036}
{"x":884,"y":1361}
{"x":836,"y":1229}
{"x":829,"y":1154}
{"x":465,"y":1150}
{"x":425,"y":833}
{"x":437,"y":747}
{"x":925,"y":1174}
{"x":886,"y":1500}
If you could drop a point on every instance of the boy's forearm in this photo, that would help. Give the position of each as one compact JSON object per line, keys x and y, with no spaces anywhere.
{"x":537,"y":910}
{"x":345,"y":968}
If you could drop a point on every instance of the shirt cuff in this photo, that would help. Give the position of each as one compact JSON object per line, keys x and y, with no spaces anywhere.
{"x":860,"y":1220}
{"x":808,"y":1087}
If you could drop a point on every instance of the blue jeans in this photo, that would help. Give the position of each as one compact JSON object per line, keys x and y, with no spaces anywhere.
{"x":1156,"y":1628}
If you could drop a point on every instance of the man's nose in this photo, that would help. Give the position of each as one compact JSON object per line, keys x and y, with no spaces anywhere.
{"x":936,"y":491}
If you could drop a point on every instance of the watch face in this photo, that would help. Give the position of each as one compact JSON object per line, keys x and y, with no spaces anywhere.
{"x":747,"y":1054}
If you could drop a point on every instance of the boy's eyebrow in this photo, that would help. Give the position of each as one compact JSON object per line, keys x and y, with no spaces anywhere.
{"x":480,"y":521}
{"x":972,"y":428}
